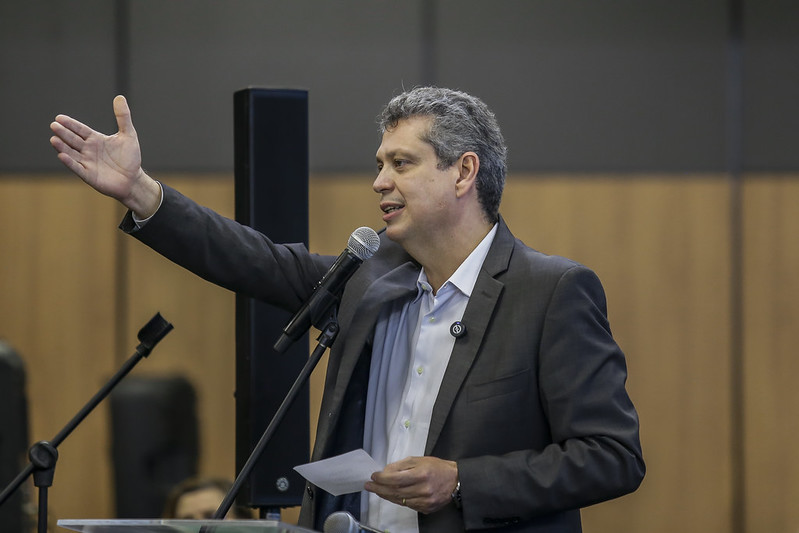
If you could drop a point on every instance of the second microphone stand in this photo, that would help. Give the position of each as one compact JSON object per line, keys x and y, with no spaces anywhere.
{"x":43,"y":455}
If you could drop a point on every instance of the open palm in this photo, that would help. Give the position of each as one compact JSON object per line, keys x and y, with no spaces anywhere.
{"x":111,"y":164}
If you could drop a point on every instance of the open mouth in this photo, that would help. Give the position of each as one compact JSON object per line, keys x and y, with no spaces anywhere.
{"x":388,"y":207}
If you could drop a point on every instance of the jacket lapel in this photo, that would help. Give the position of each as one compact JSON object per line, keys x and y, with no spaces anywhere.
{"x":396,"y":283}
{"x":476,"y":318}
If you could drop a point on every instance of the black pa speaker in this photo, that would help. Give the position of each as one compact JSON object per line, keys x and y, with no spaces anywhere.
{"x":271,"y":190}
{"x":13,"y":438}
{"x":154,"y":441}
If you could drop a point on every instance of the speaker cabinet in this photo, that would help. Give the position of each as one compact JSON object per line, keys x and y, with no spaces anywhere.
{"x":271,"y":196}
{"x":154,"y":441}
{"x":13,"y":437}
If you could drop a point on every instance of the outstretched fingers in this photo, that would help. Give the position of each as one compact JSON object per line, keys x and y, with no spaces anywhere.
{"x":76,"y":127}
{"x":66,"y":135}
{"x":71,"y":147}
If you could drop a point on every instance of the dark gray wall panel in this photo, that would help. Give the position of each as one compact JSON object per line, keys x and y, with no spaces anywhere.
{"x":612,"y":86}
{"x":594,"y":86}
{"x":55,"y":57}
{"x":771,"y":86}
{"x":189,"y":57}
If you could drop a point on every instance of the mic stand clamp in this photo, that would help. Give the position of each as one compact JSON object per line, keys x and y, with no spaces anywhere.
{"x":43,"y":456}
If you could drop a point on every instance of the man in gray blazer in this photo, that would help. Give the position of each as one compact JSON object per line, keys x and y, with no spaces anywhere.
{"x":481,"y":372}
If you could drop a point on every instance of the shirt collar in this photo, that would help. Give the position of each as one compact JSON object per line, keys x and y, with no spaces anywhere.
{"x":465,"y":277}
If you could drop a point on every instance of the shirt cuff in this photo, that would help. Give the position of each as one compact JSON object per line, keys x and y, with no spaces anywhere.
{"x":140,"y":222}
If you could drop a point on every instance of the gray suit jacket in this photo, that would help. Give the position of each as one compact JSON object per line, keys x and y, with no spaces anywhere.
{"x":533,"y":405}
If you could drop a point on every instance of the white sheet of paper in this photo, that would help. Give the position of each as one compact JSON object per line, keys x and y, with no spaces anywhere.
{"x":341,"y":474}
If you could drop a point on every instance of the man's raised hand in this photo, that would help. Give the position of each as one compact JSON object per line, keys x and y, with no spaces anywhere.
{"x":111,"y":164}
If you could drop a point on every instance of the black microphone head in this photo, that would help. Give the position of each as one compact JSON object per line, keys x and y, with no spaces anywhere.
{"x":341,"y":522}
{"x":363,"y":242}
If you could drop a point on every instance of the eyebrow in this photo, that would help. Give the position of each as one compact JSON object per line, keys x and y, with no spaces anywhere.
{"x":404,"y":154}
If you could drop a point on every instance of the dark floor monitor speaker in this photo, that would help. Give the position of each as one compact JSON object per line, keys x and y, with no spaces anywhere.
{"x":271,"y":182}
{"x":13,"y":437}
{"x":154,"y":441}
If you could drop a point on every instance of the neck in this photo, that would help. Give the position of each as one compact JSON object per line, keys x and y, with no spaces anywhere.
{"x":442,"y":259}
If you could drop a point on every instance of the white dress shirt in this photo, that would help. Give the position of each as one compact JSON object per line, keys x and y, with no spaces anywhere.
{"x":411,"y":351}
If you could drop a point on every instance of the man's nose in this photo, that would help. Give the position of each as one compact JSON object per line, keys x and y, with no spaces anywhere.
{"x":382,"y":182}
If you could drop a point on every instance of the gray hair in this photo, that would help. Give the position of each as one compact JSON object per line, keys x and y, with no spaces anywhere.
{"x":461,"y":123}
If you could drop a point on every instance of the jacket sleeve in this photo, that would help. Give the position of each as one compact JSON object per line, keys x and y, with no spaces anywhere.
{"x":230,"y":254}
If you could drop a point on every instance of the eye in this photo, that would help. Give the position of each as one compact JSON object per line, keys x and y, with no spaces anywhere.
{"x":399,"y":163}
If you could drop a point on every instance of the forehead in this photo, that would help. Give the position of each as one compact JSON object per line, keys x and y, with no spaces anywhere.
{"x":408,"y":134}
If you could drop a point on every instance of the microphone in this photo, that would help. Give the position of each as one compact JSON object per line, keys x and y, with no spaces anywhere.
{"x":362,"y":245}
{"x":344,"y":522}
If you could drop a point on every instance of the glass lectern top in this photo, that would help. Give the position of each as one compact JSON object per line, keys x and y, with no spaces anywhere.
{"x":180,"y":526}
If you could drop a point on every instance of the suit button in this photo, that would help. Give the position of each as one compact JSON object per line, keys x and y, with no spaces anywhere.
{"x":309,"y":490}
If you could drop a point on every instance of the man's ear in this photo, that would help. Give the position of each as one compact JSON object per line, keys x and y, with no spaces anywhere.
{"x":468,"y":166}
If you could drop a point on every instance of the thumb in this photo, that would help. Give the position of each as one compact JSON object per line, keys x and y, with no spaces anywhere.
{"x":122,"y":113}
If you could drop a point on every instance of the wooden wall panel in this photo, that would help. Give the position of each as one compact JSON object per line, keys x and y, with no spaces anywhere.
{"x":338,"y":205}
{"x":56,"y":308}
{"x":660,"y":245}
{"x":202,"y":345}
{"x":771,"y":365}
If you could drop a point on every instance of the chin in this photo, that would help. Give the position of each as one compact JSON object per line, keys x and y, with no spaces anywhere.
{"x":394,"y":233}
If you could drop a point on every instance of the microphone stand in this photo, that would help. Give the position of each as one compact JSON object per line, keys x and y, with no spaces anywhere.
{"x":325,"y":340}
{"x":43,"y":455}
